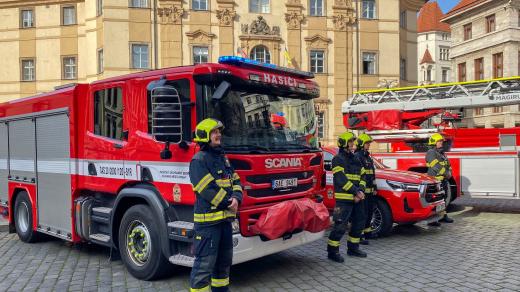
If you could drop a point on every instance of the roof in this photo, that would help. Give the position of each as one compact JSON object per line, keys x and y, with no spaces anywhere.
{"x":430,"y":17}
{"x":427,"y":58}
{"x":463,"y":6}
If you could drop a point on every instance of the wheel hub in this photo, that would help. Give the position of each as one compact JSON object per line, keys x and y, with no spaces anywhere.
{"x":138,"y":243}
{"x":23,"y":217}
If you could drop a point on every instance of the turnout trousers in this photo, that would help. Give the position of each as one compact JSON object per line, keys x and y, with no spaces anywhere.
{"x":213,"y":250}
{"x":342,"y":213}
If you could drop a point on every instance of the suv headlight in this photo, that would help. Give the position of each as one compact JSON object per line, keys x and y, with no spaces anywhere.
{"x":403,"y":187}
{"x":235,"y":225}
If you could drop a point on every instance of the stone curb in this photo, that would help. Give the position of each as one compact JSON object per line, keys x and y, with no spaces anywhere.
{"x":4,"y":225}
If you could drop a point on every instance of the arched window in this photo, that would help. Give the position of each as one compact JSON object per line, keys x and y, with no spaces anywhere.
{"x":261,"y":54}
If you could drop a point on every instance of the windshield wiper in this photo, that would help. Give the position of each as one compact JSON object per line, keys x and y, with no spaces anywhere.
{"x":248,"y":147}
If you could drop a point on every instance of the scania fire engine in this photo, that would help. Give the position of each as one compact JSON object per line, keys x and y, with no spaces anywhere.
{"x":75,"y":162}
{"x":485,"y":161}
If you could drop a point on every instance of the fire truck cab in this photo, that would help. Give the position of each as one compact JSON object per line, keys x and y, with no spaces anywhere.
{"x":108,"y":162}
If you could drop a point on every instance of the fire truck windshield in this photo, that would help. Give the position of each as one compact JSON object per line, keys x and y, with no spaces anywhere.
{"x":259,"y":122}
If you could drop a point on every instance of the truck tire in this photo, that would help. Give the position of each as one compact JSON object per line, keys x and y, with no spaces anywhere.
{"x":140,"y":244}
{"x":382,"y":221}
{"x":23,"y":218}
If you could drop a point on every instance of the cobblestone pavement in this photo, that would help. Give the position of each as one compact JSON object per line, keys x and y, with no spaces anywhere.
{"x":480,"y":251}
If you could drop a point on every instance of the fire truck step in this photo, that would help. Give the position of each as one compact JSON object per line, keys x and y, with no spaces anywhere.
{"x":99,"y":238}
{"x":102,"y":211}
{"x":181,"y":231}
{"x":182,"y":260}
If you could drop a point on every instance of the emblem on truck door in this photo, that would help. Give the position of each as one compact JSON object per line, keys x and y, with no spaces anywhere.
{"x":283,"y":162}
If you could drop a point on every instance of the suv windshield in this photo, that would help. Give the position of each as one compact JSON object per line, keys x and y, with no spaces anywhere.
{"x":262,"y":122}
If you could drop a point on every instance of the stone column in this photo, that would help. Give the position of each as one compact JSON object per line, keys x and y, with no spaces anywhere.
{"x":170,"y":15}
{"x":294,"y":19}
{"x":343,"y":19}
{"x":226,"y":19}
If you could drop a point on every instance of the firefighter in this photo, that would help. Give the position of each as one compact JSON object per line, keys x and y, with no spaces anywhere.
{"x":439,"y":167}
{"x":349,"y":200}
{"x":218,"y":195}
{"x":362,"y":153}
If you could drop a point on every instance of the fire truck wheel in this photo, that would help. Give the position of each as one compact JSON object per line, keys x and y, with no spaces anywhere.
{"x":140,"y":246}
{"x":23,"y":218}
{"x":382,"y":221}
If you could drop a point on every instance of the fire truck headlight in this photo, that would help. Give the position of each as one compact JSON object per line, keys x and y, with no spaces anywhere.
{"x":403,"y":187}
{"x":235,"y":225}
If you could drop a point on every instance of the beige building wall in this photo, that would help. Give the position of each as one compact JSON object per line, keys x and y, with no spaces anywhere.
{"x":224,"y":27}
{"x":504,"y":39}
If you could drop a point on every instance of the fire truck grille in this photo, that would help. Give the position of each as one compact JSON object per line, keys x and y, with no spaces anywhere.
{"x":268,"y":192}
{"x":432,"y":193}
{"x":268,"y":178}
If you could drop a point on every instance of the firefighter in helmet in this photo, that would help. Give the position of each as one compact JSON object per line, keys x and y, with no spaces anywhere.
{"x":363,"y":143}
{"x":439,"y":167}
{"x":218,"y":195}
{"x":349,"y":196}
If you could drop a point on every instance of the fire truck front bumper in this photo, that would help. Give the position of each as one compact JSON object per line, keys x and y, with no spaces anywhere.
{"x":250,"y":248}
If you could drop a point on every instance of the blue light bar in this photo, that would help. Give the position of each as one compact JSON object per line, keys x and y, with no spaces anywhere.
{"x":240,"y":61}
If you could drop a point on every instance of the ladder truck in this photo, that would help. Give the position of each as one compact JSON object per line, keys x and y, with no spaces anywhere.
{"x":485,"y":161}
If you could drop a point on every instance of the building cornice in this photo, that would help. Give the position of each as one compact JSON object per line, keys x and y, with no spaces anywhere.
{"x":29,"y":3}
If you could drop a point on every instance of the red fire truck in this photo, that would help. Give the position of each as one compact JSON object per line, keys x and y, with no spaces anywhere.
{"x":485,"y":161}
{"x":108,"y":162}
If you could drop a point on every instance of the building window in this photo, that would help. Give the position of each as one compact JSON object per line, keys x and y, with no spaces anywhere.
{"x":108,"y":113}
{"x":99,"y":7}
{"x":369,"y":63}
{"x":261,"y":54}
{"x":69,"y":68}
{"x":497,"y":109}
{"x":444,"y":54}
{"x":479,"y":111}
{"x":445,"y":72}
{"x":369,"y":9}
{"x":402,"y":19}
{"x":259,"y":6}
{"x":316,"y":8}
{"x":462,"y":72}
{"x":402,"y":69}
{"x":321,"y":124}
{"x":199,"y":5}
{"x":479,"y":69}
{"x":69,"y":15}
{"x":28,"y":70}
{"x":490,"y":23}
{"x":498,"y":65}
{"x":445,"y":37}
{"x":138,"y":3}
{"x":139,"y":56}
{"x":200,"y":55}
{"x":429,"y":74}
{"x":100,"y":61}
{"x":317,"y":61}
{"x":27,"y":18}
{"x":467,"y":31}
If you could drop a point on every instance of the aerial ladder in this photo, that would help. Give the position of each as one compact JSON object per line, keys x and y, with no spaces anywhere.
{"x":399,"y":113}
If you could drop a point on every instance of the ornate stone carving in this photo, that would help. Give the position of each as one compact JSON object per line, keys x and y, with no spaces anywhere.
{"x":293,"y":2}
{"x":343,"y":3}
{"x":200,"y":37}
{"x":341,"y":21}
{"x":318,"y":41}
{"x":260,"y":27}
{"x":226,"y":16}
{"x":170,"y":15}
{"x":294,"y":19}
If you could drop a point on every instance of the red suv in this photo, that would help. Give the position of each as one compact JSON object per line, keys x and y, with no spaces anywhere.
{"x":403,"y":197}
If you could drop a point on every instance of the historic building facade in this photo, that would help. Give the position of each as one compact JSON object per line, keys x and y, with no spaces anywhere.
{"x":433,"y":42}
{"x":349,"y":45}
{"x":486,"y":45}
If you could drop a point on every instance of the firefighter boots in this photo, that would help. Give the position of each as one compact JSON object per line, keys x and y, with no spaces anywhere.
{"x":356,"y":253}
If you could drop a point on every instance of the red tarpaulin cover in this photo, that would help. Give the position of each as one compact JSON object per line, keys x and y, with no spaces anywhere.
{"x":289,"y":216}
{"x":384,"y":120}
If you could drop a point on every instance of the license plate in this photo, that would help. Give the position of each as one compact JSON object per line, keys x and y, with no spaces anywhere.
{"x":284,"y":183}
{"x":440,"y":208}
